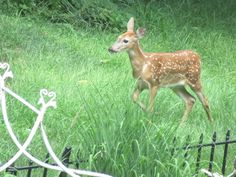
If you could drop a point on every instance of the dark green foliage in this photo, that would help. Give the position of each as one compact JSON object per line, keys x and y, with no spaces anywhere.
{"x":113,"y":14}
{"x":99,"y":14}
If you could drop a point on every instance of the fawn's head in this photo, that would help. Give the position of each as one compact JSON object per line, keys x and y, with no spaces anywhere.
{"x":128,"y":39}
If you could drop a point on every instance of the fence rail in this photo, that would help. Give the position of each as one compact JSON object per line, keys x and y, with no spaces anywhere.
{"x":13,"y":169}
{"x":199,"y":147}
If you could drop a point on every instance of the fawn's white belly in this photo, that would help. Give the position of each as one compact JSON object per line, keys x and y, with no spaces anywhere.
{"x":172,"y":80}
{"x":176,"y":84}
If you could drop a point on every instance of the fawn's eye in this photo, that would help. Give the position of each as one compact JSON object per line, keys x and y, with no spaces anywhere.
{"x":125,"y":41}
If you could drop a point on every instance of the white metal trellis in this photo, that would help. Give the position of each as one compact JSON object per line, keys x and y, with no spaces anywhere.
{"x":51,"y":96}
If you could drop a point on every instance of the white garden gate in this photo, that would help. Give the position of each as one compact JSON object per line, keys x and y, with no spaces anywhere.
{"x":47,"y":99}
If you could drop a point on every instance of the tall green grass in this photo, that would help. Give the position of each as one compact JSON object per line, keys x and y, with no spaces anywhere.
{"x":95,"y":112}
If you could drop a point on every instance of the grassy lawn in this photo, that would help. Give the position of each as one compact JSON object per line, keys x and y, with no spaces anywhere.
{"x":95,"y":112}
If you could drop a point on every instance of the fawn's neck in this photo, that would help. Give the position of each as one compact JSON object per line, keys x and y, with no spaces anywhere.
{"x":137,"y":60}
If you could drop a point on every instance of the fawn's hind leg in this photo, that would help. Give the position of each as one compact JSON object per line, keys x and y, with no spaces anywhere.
{"x":188,"y":99}
{"x":198,"y":90}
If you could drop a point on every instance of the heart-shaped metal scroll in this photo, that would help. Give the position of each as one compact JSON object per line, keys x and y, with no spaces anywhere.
{"x":5,"y":71}
{"x":47,"y":98}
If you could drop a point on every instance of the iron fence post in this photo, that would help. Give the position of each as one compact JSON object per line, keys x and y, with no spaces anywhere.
{"x":30,"y":169}
{"x":173,"y":149}
{"x":199,"y":152}
{"x":65,"y":159}
{"x":11,"y":170}
{"x":225,"y":152}
{"x":212,"y":152}
{"x":186,"y":150}
{"x":45,"y":170}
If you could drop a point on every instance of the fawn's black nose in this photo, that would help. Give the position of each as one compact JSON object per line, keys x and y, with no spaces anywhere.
{"x":111,"y":50}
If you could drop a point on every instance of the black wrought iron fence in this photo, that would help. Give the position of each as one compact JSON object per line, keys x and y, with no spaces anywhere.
{"x":13,"y":169}
{"x":212,"y":145}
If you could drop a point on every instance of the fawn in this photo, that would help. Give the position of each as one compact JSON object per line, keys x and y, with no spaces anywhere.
{"x":152,"y":71}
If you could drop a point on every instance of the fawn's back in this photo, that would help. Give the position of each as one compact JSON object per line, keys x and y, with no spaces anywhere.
{"x":172,"y":69}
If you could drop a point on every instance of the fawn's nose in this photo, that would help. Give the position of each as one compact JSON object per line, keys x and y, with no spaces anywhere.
{"x":111,"y":50}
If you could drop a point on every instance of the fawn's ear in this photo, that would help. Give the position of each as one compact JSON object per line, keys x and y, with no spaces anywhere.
{"x":140,"y":32}
{"x":130,"y":24}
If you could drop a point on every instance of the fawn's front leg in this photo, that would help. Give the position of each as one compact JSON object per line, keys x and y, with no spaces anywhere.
{"x":153,"y":92}
{"x":137,"y":91}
